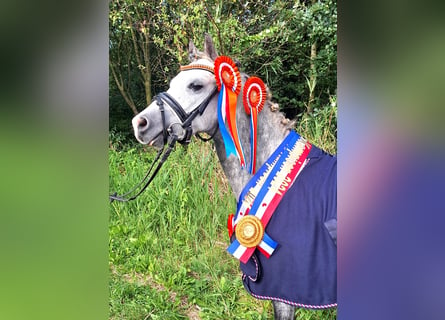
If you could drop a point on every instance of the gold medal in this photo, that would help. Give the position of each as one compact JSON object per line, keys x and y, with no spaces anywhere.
{"x":249,"y":231}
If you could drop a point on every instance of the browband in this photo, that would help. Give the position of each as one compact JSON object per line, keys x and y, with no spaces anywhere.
{"x":197,"y":66}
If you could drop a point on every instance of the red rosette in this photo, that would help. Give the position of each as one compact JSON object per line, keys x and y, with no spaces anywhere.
{"x":254,"y":94}
{"x":227,"y":72}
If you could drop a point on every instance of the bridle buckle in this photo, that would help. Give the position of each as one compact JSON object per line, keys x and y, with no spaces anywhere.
{"x":177,"y":131}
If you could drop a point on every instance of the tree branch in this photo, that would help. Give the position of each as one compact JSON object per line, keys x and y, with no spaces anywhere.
{"x":120,"y":85}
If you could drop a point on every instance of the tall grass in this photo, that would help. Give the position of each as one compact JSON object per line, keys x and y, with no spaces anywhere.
{"x":167,"y":248}
{"x":320,"y":127}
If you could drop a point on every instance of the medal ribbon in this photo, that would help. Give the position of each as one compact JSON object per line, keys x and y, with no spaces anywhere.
{"x":231,"y":117}
{"x":227,"y":138}
{"x":249,"y":194}
{"x":254,"y":97}
{"x":254,"y":185}
{"x":228,"y":80}
{"x":265,"y":190}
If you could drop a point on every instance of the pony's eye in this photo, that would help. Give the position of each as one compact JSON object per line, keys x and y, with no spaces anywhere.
{"x":195,"y":86}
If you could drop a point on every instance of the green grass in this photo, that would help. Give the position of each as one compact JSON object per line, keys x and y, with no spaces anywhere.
{"x":320,"y":127}
{"x":167,"y":248}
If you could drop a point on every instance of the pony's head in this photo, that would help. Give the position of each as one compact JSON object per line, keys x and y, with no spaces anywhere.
{"x":187,"y":107}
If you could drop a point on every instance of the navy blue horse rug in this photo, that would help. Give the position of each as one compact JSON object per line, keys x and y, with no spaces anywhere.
{"x":302,"y":271}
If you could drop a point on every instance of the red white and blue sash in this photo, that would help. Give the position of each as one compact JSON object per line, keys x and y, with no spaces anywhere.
{"x":265,"y":189}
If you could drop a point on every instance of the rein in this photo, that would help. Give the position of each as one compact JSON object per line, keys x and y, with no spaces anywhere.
{"x":175,"y":132}
{"x":165,"y":155}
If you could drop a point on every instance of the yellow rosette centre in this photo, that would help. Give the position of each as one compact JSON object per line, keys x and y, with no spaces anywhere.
{"x":249,"y":231}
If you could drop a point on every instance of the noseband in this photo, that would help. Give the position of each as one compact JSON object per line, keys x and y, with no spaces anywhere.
{"x":175,"y":132}
{"x":186,"y":119}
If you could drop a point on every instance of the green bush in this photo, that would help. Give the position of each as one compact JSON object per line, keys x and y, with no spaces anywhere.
{"x":272,"y":40}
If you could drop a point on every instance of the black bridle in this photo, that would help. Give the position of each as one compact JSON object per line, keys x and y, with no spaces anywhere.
{"x":185,"y":118}
{"x":175,"y":132}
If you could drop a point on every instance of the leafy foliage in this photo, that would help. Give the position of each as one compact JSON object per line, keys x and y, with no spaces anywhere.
{"x":271,"y":39}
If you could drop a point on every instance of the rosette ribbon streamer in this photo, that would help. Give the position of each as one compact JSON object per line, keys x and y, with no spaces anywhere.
{"x":228,"y":80}
{"x":254,"y":97}
{"x":261,"y":196}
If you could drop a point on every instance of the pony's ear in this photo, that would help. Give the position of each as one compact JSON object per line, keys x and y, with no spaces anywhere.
{"x":209,"y":48}
{"x":193,"y":52}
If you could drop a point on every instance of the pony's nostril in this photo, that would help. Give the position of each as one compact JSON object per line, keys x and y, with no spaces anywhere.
{"x":142,"y":122}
